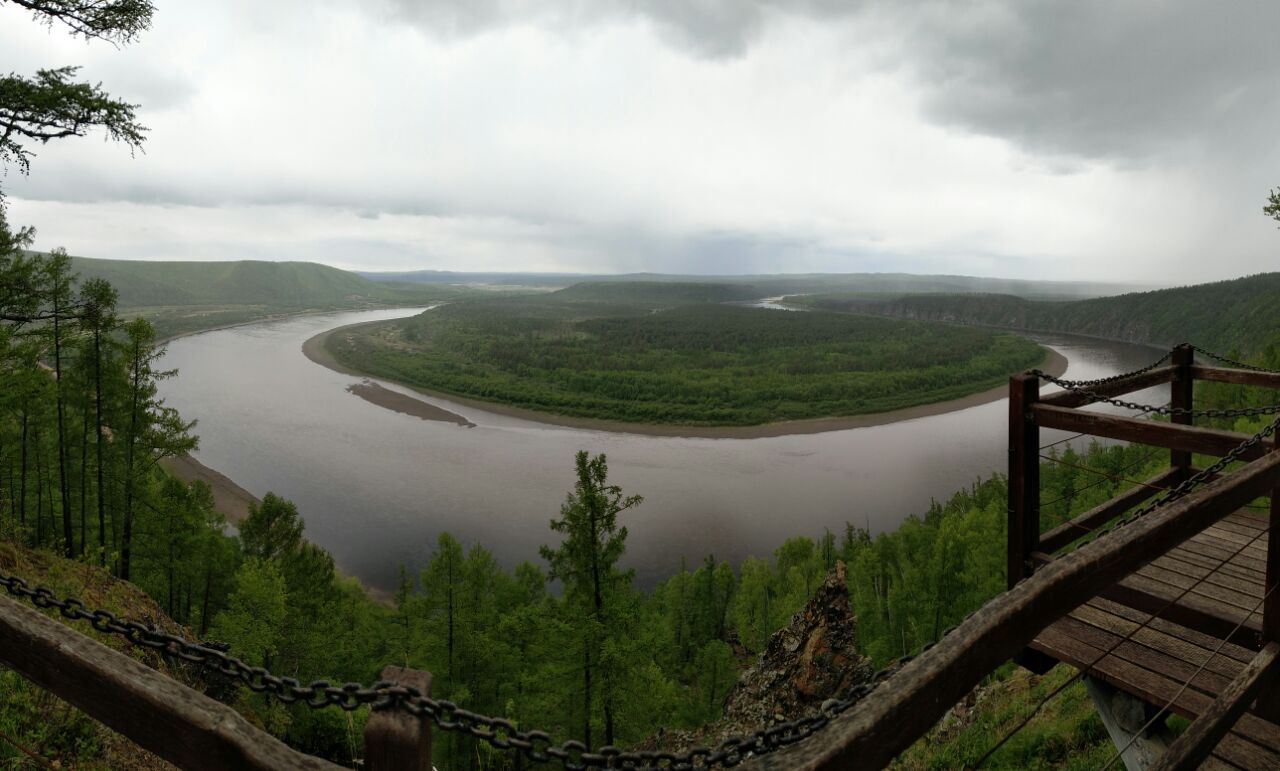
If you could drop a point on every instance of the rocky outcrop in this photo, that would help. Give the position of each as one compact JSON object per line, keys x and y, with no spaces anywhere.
{"x":805,"y":663}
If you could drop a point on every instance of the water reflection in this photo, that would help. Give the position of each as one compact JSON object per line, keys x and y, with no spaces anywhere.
{"x":376,"y":487}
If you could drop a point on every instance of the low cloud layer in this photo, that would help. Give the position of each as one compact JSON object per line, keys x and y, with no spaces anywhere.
{"x":1003,"y":138}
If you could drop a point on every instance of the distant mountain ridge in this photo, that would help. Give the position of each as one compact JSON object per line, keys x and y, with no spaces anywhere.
{"x":241,"y":282}
{"x":1241,"y":314}
{"x":781,"y":283}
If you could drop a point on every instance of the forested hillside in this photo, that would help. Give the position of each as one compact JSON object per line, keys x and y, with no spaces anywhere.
{"x":247,"y":282}
{"x":1240,"y":314}
{"x":182,"y":297}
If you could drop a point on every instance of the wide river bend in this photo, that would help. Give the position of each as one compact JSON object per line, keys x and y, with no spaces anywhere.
{"x":376,"y":487}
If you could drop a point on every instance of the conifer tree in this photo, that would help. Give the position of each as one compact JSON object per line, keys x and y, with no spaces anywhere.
{"x":586,"y":561}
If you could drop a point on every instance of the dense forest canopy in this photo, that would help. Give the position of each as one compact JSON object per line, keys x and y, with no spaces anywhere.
{"x":1239,"y":314}
{"x":664,"y":356}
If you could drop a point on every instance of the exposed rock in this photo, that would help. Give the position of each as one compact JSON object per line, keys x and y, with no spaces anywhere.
{"x":805,"y":663}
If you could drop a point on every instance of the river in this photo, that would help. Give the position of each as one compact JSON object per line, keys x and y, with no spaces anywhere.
{"x":376,"y":487}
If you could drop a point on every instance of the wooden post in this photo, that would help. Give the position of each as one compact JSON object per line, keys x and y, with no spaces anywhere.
{"x":1180,"y":397}
{"x":394,"y":740}
{"x":1268,"y":705}
{"x":1024,"y":496}
{"x":1024,"y":476}
{"x":1271,"y":605}
{"x":158,"y":713}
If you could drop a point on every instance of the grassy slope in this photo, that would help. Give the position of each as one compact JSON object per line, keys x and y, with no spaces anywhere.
{"x":37,"y":720}
{"x":1241,"y":314}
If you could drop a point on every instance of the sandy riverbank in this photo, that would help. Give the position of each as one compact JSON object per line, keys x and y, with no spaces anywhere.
{"x":1054,"y":363}
{"x":229,"y":498}
{"x":397,"y":402}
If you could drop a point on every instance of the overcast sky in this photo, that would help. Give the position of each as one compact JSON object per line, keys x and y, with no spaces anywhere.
{"x":1063,"y":140}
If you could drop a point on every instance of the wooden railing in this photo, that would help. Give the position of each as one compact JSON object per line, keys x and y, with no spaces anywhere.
{"x":1043,"y":588}
{"x":175,"y":722}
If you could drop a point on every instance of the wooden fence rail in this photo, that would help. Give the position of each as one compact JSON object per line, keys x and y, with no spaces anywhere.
{"x":169,"y":719}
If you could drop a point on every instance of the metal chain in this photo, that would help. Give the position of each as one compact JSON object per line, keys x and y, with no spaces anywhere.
{"x":500,"y":733}
{"x":1104,"y":380}
{"x":1233,"y":362}
{"x":1094,"y":396}
{"x":1185,"y":487}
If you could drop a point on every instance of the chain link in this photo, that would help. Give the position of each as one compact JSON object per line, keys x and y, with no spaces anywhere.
{"x":502,"y":734}
{"x":1185,"y":487}
{"x":1233,"y":362}
{"x":1094,"y":396}
{"x":1073,"y":384}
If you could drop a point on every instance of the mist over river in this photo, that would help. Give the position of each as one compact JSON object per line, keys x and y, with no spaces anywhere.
{"x":377,"y":486}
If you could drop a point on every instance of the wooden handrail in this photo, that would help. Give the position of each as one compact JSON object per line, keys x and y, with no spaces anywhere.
{"x":881,"y":726}
{"x":1237,"y":376}
{"x":1138,"y":382}
{"x":156,"y":712}
{"x":1085,"y":523}
{"x":1206,"y":441}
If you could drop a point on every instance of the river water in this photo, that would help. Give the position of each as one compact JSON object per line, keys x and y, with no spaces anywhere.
{"x":376,"y":487}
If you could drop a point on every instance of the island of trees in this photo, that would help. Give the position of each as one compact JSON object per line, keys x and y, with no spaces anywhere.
{"x":662,"y":353}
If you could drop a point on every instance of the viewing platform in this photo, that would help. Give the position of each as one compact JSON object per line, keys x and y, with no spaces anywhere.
{"x":1183,"y":632}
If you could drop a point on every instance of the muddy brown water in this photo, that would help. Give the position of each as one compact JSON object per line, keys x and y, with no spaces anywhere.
{"x":377,"y":486}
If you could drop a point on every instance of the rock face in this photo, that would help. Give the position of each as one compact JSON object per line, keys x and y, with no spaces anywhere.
{"x":806,"y":662}
{"x":812,"y":659}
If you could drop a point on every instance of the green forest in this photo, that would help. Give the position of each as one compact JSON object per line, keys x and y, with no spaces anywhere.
{"x":1239,"y":314}
{"x":659,"y":353}
{"x":583,"y":654}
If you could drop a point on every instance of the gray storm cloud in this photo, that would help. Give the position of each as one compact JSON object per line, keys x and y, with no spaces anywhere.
{"x":1020,"y":138}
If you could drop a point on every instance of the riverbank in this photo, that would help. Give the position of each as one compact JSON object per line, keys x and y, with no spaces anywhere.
{"x":229,"y":499}
{"x":1054,"y":363}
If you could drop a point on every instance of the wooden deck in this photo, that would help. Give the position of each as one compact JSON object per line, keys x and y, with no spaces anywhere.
{"x":1162,"y":657}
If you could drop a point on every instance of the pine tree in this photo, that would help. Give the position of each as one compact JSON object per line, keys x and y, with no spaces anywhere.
{"x":586,"y":561}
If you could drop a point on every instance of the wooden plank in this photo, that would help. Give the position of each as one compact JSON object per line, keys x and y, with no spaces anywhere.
{"x":1155,"y":377}
{"x":1248,"y":590}
{"x":1271,"y":605}
{"x":1202,"y":609}
{"x":1232,"y":569}
{"x":1191,"y":611}
{"x":879,"y":727}
{"x":1233,"y":601}
{"x":1237,"y":376}
{"x":1072,"y":529}
{"x":1244,"y":754}
{"x":396,"y":740}
{"x":1152,"y":687}
{"x":1183,"y":669}
{"x":1206,"y":441}
{"x":1162,"y":641}
{"x":1188,"y":750}
{"x":156,"y":712}
{"x":1239,"y":653}
{"x":1024,"y":476}
{"x":1251,"y":555}
{"x":1205,"y":550}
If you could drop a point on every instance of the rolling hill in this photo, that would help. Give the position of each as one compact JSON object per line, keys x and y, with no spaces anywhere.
{"x":1241,"y":314}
